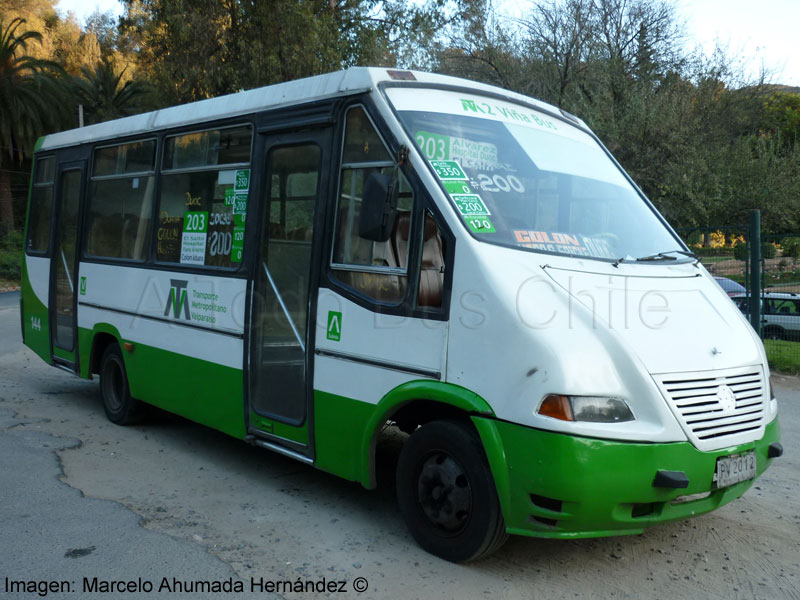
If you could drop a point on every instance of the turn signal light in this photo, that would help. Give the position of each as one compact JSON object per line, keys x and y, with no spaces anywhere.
{"x":558,"y":407}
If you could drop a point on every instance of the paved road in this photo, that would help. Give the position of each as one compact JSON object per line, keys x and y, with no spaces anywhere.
{"x":10,"y":333}
{"x":80,"y":497}
{"x":51,"y":533}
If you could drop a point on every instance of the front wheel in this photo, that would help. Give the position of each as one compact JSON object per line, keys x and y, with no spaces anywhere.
{"x":446,"y":493}
{"x":120,"y":407}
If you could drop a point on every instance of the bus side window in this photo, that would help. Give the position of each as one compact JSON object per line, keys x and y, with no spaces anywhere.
{"x":121,"y":202}
{"x":41,"y":209}
{"x":203,"y":194}
{"x":377,"y":270}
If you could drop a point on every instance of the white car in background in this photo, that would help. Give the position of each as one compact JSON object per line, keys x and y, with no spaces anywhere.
{"x":731,"y":287}
{"x":780,"y":314}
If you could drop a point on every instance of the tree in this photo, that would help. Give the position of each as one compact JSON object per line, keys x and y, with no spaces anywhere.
{"x":31,"y":101}
{"x":200,"y":49}
{"x":105,"y":95}
{"x":782,"y":117}
{"x":103,"y":26}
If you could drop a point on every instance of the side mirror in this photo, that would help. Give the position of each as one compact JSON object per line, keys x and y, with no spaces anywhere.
{"x":378,"y":207}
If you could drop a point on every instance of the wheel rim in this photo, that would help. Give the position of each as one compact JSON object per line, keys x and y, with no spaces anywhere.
{"x":444,"y":492}
{"x":113,"y":385}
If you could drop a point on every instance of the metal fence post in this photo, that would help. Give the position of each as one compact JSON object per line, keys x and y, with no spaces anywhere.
{"x":754,"y":253}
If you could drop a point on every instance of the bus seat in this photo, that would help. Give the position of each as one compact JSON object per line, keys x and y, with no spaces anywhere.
{"x":381,"y":287}
{"x":276,"y":231}
{"x":431,"y":275}
{"x":302,"y":234}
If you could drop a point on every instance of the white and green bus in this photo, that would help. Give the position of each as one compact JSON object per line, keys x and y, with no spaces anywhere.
{"x":302,"y":264}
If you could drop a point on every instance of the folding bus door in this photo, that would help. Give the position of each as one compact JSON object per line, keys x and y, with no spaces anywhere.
{"x":284,"y":289}
{"x":64,"y":284}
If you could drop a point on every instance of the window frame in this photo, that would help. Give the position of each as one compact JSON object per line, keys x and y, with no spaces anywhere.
{"x":240,"y":268}
{"x":240,"y":271}
{"x":34,"y":171}
{"x":408,"y":306}
{"x":84,"y":246}
{"x":168,"y":135}
{"x":352,"y":267}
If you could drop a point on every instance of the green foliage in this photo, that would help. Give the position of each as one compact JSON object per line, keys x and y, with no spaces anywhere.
{"x":782,"y":117}
{"x":783,"y":356}
{"x":700,"y":251}
{"x":685,"y":126}
{"x":768,"y":250}
{"x":32,"y":100}
{"x":791,"y":247}
{"x":30,"y":90}
{"x":11,"y":255}
{"x":104,"y":96}
{"x":703,"y":143}
{"x":210,"y":47}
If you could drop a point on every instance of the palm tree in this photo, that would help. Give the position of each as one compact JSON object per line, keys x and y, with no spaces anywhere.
{"x":105,"y":97}
{"x":31,"y":102}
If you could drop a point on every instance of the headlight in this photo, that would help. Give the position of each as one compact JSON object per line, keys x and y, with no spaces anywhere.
{"x":592,"y":409}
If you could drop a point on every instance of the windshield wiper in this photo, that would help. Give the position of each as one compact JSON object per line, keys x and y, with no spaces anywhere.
{"x":666,"y":256}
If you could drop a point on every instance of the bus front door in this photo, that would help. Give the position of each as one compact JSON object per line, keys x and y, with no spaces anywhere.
{"x":284,"y":290}
{"x":64,"y":285}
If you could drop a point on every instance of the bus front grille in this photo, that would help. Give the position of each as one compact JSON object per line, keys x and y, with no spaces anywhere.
{"x":718,"y":408}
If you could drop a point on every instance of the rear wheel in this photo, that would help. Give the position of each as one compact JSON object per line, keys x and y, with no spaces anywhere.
{"x":446,"y":493}
{"x":120,"y":407}
{"x":774,"y":333}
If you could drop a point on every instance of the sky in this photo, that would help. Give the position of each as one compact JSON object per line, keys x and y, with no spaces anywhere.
{"x":761,"y":33}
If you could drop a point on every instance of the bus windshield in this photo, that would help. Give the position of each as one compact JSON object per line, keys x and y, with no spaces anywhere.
{"x":521,"y":178}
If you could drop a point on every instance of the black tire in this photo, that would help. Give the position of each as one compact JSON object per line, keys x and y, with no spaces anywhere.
{"x":774,"y":333}
{"x":446,"y":493}
{"x":120,"y":407}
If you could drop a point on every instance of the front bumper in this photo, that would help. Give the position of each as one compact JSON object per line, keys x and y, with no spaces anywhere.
{"x":560,"y":486}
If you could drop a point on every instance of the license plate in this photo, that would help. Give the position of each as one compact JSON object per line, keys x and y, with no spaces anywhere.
{"x":735,"y":468}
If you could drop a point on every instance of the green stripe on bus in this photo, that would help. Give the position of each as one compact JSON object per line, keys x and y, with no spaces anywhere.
{"x":36,"y":319}
{"x":562,"y":486}
{"x":346,"y":429}
{"x":205,"y":392}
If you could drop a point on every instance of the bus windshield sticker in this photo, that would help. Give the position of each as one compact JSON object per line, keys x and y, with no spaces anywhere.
{"x":229,"y":196}
{"x":237,"y":249}
{"x":470,"y":154}
{"x":457,"y":187}
{"x":504,"y":112}
{"x":193,"y":243}
{"x":240,"y":203}
{"x":564,"y":243}
{"x":449,"y":170}
{"x":241,"y":188}
{"x":242,"y":181}
{"x":480,"y":225}
{"x":470,"y":205}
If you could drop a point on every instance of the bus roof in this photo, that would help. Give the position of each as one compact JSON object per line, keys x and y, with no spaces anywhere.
{"x":351,"y":81}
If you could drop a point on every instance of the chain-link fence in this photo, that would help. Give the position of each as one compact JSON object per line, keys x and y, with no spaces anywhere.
{"x":724,"y":252}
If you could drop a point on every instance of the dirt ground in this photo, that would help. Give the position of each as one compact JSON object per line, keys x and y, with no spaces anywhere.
{"x":266,"y":515}
{"x":8,"y":286}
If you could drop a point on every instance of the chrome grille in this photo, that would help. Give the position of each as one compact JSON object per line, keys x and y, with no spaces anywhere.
{"x":718,"y":408}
